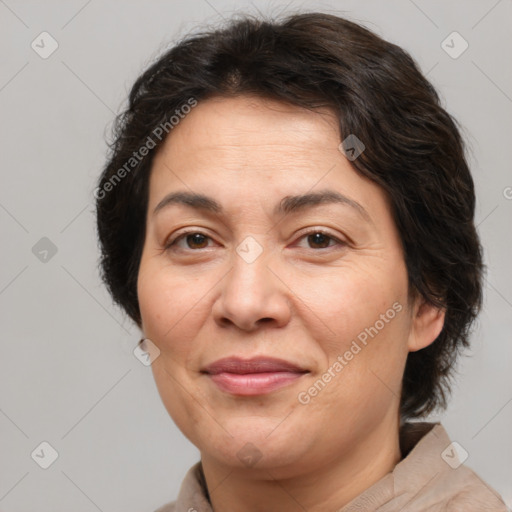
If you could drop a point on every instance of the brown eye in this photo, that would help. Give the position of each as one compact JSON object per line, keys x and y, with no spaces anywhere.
{"x":196,"y":241}
{"x":319,"y":240}
{"x":193,"y":240}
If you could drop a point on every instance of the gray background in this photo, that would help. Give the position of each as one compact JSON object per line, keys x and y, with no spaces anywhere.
{"x":68,"y":375}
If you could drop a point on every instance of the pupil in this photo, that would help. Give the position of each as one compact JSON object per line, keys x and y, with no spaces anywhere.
{"x":197,"y":239}
{"x":319,"y":239}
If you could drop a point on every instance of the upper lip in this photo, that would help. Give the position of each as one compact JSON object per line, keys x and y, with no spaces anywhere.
{"x":253,"y":365}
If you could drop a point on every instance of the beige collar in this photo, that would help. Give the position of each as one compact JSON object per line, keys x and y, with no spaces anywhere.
{"x":428,"y":478}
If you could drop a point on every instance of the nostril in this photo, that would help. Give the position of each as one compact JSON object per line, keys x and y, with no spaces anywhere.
{"x":225,"y":321}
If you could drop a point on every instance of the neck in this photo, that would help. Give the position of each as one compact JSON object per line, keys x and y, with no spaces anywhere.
{"x":315,"y":487}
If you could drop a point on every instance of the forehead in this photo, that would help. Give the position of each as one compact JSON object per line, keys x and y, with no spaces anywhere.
{"x":225,"y":125}
{"x":250,"y":148}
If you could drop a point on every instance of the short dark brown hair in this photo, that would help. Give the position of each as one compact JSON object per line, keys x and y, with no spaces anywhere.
{"x":414,"y":151}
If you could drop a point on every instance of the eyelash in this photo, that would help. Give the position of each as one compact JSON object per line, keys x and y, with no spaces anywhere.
{"x":169,"y":245}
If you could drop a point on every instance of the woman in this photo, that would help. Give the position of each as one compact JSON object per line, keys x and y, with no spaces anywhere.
{"x":287,"y":214}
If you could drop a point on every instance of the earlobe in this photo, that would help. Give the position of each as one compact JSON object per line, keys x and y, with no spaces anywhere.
{"x":427,"y":324}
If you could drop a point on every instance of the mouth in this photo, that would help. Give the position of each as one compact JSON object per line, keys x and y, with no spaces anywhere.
{"x":250,"y":377}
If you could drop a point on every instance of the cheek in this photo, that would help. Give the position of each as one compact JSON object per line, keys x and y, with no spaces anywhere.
{"x":170,"y":305}
{"x":351,"y":298}
{"x":363,"y":324}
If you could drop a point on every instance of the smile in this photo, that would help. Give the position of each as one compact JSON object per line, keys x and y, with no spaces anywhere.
{"x":252,"y":377}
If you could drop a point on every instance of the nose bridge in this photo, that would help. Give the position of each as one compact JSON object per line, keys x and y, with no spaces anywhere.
{"x":249,"y":277}
{"x":250,"y":292}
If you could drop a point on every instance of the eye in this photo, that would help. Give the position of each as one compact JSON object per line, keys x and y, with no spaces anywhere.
{"x":193,"y":240}
{"x":318,"y":239}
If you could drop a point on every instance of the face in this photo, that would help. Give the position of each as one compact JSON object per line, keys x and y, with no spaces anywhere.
{"x":290,"y":255}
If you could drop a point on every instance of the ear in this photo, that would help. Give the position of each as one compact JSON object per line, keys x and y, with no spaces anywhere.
{"x":427,"y":324}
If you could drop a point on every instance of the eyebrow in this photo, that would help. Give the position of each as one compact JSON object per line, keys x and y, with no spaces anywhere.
{"x":289,"y":204}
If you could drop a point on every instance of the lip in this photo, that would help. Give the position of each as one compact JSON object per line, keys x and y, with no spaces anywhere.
{"x":241,"y":366}
{"x":256,"y":376}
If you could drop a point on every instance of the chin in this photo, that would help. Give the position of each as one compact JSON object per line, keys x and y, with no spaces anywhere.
{"x":255,"y":443}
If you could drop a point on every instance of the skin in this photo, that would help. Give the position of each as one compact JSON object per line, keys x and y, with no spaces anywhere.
{"x":301,"y":300}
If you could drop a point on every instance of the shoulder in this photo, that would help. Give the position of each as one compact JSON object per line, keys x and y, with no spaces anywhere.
{"x":192,"y":495}
{"x":471,"y":494}
{"x":436,"y":478}
{"x":169,"y":507}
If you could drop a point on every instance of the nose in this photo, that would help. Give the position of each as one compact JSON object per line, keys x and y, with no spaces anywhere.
{"x":252,"y":295}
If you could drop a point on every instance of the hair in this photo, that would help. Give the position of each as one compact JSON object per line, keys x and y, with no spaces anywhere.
{"x":413,"y":150}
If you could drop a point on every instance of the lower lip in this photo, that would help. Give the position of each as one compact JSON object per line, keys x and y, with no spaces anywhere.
{"x":250,"y":384}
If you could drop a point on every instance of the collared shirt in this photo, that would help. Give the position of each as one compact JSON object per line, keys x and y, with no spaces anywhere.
{"x":429,"y":478}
